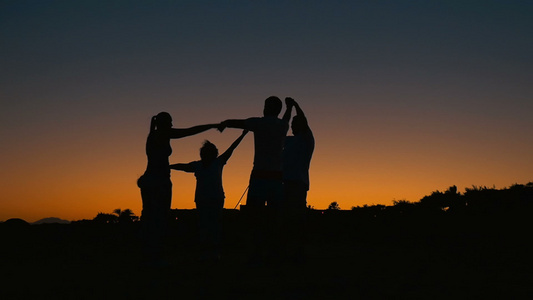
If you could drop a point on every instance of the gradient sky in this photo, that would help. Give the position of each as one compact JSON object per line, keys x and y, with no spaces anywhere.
{"x":404,"y":97}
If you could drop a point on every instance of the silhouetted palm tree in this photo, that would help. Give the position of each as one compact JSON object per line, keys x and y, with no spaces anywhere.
{"x":105,"y":218}
{"x":125,"y":216}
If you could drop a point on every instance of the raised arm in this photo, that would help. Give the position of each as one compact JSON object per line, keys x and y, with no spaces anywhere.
{"x":183,"y":167}
{"x":289,"y":102}
{"x":227,"y":154}
{"x":299,"y":111}
{"x":177,"y":133}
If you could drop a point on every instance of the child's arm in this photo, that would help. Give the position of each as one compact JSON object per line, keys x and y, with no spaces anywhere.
{"x":226,"y":155}
{"x":183,"y":167}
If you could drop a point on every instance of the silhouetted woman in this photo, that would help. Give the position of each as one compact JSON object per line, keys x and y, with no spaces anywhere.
{"x":155,"y":184}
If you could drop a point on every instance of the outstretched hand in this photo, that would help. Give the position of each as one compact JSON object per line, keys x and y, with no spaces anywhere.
{"x":221,"y":126}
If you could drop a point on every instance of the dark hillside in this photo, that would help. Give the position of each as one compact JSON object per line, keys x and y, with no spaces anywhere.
{"x":448,"y":245}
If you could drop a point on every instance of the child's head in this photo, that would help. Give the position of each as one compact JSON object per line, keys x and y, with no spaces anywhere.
{"x":208,"y":151}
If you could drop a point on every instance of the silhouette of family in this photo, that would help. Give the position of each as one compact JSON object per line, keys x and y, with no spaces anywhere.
{"x":277,"y":192}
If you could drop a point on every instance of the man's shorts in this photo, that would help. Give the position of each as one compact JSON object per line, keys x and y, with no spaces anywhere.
{"x":265,"y":191}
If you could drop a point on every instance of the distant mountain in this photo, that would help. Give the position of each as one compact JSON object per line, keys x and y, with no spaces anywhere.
{"x":50,"y":221}
{"x":16,"y":222}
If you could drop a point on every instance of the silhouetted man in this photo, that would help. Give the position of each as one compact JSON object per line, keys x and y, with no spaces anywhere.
{"x":266,"y":187}
{"x":297,"y":155}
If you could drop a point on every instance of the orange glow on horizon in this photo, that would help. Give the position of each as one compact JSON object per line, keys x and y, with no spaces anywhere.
{"x":85,"y":182}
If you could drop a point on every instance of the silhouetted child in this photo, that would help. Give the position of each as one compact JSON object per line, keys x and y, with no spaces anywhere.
{"x":209,"y":195}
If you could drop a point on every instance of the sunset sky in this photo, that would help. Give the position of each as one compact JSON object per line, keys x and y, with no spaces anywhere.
{"x":404,"y":97}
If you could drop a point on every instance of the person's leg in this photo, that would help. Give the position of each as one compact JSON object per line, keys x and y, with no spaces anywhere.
{"x":154,"y":217}
{"x":274,"y":229}
{"x":295,"y":213}
{"x":150,"y":225}
{"x":205,"y":230}
{"x":214,"y":214}
{"x":147,"y":222}
{"x":217,"y":227}
{"x":209,"y":214}
{"x":202,"y":228}
{"x":255,"y":217}
{"x":301,"y":231}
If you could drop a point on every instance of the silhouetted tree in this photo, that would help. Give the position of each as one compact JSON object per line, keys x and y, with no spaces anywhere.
{"x":441,"y":200}
{"x":402,"y":206}
{"x":105,"y":218}
{"x":482,"y":199}
{"x":520,"y":196}
{"x":368,"y":211}
{"x":125,"y":216}
{"x":334,"y":206}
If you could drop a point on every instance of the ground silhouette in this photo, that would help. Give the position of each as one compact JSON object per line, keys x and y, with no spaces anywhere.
{"x":424,"y":250}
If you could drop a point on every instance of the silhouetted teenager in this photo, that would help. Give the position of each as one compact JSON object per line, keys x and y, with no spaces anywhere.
{"x":266,"y":187}
{"x":297,"y":155}
{"x":209,"y":195}
{"x":155,"y":184}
